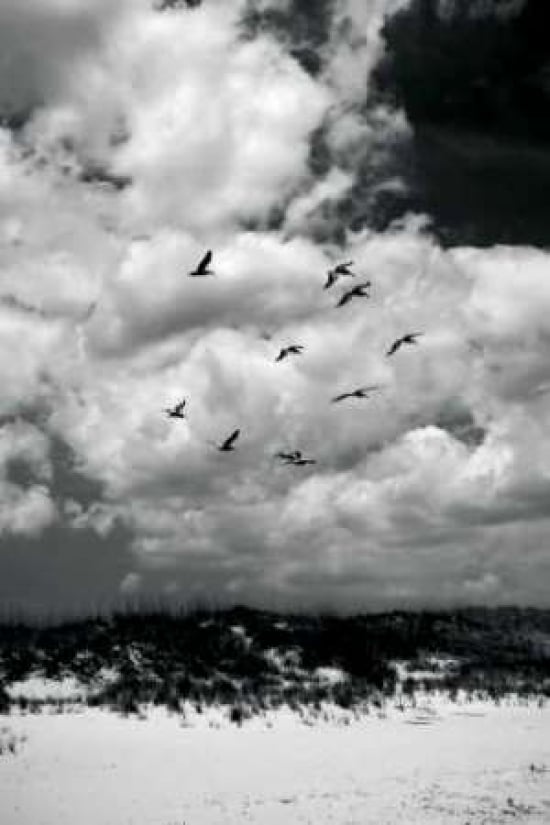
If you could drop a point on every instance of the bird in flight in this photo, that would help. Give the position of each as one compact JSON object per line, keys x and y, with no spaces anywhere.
{"x":202,"y":268}
{"x":289,"y":458}
{"x":410,"y":338}
{"x":293,"y":349}
{"x":360,"y":392}
{"x":228,"y":445}
{"x":177,"y":410}
{"x":334,"y":274}
{"x":358,"y":291}
{"x":295,"y":458}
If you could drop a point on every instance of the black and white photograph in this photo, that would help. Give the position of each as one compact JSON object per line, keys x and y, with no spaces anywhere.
{"x":274,"y":412}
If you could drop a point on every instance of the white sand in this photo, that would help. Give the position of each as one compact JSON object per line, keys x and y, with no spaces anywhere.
{"x":447,"y":764}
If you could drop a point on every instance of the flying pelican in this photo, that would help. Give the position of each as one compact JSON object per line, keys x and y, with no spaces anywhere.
{"x":296,"y":459}
{"x":202,"y":268}
{"x":289,"y":458}
{"x":360,"y":392}
{"x":358,"y":291}
{"x":294,"y":349}
{"x":227,"y":445}
{"x":177,"y":410}
{"x":410,"y":338}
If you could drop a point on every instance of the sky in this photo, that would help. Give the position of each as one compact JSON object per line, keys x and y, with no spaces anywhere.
{"x":133,"y":138}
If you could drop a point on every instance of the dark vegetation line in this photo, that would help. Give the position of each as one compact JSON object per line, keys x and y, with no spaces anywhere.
{"x":261,"y":660}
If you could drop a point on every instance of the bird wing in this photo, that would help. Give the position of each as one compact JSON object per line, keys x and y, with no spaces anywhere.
{"x":229,"y":441}
{"x":331,"y":279}
{"x":340,"y":397}
{"x":203,"y":266}
{"x":281,"y":355}
{"x":394,"y":347}
{"x":343,"y":269}
{"x":347,"y":296}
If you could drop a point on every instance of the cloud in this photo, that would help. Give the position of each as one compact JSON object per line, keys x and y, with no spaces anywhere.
{"x":41,"y":40}
{"x":27,"y":512}
{"x":474,"y":124}
{"x":26,"y":507}
{"x":435,"y":488}
{"x":130,"y":585}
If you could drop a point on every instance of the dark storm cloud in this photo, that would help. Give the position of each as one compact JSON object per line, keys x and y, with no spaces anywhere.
{"x":475,"y":88}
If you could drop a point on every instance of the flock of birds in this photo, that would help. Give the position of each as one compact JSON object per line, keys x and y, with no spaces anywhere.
{"x":341,"y":270}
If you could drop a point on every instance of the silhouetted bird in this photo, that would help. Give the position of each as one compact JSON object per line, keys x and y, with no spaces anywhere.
{"x":294,"y":349}
{"x":177,"y":410}
{"x":289,"y":458}
{"x":228,"y":445}
{"x":410,"y":338}
{"x":360,"y":392}
{"x":296,"y":459}
{"x":202,"y":268}
{"x":358,"y":291}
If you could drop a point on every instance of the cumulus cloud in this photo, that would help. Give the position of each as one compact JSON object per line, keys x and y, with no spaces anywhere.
{"x":25,"y":507}
{"x":437,"y":484}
